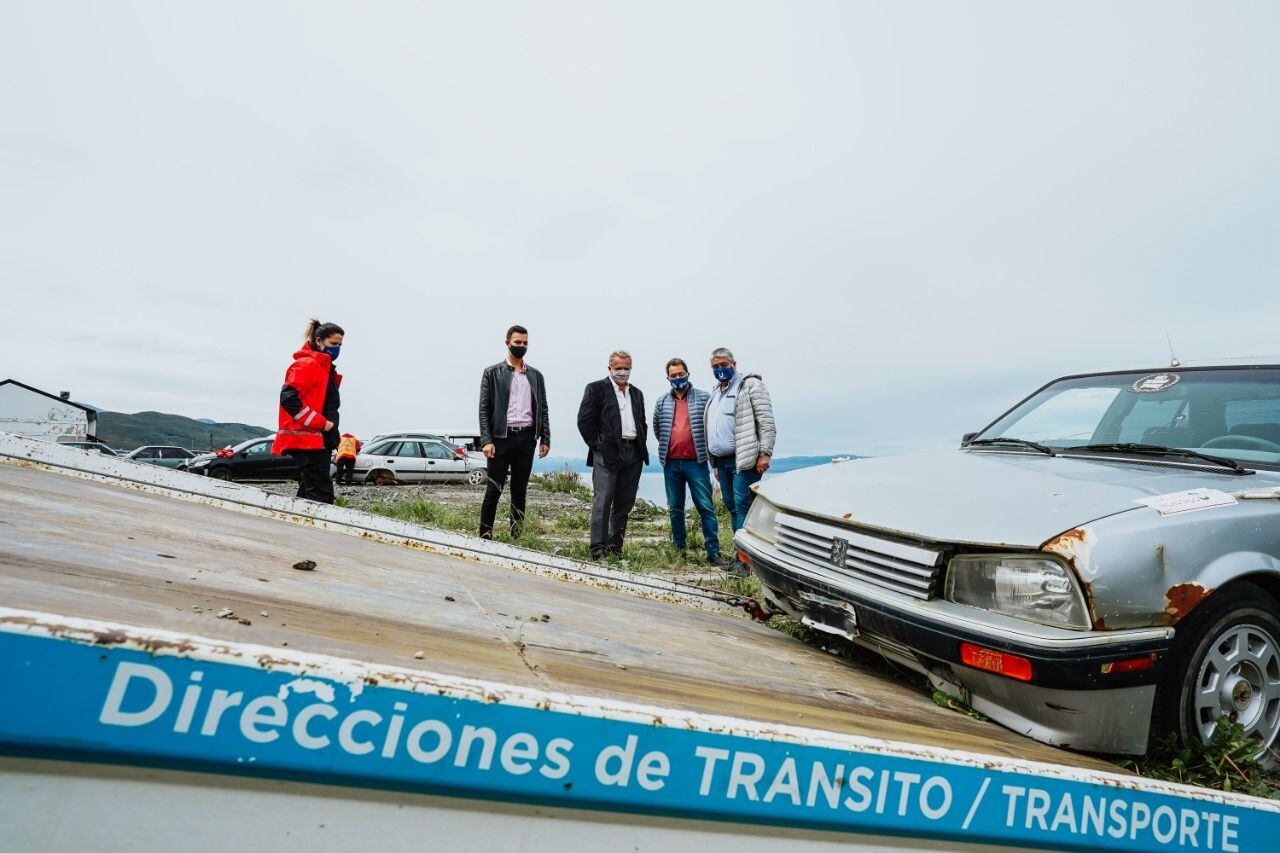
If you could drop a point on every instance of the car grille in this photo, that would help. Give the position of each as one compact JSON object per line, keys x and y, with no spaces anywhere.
{"x":841,"y":554}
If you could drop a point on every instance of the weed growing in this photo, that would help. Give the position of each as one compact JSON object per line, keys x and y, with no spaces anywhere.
{"x":1228,"y":762}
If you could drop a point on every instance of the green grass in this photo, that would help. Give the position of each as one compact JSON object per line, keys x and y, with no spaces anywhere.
{"x":565,"y":531}
{"x":565,"y":481}
{"x":1226,"y":763}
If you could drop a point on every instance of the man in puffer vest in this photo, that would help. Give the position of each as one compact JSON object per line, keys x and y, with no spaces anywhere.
{"x":740,"y":433}
{"x":678,"y":424}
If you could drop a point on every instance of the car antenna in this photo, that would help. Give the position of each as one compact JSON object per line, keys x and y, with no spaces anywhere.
{"x":1173,"y":359}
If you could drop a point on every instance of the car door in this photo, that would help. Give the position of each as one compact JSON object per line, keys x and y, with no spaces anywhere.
{"x":442,"y":462}
{"x":254,"y":462}
{"x":278,"y":466}
{"x":149,"y":455}
{"x":411,"y":465}
{"x":402,"y":458}
{"x":172,"y":457}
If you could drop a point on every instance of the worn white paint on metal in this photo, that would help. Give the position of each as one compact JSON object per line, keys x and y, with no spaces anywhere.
{"x":239,"y":497}
{"x":28,"y":413}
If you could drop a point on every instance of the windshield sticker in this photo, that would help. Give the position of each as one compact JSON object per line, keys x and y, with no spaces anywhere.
{"x":1176,"y":503}
{"x":1155,"y":383}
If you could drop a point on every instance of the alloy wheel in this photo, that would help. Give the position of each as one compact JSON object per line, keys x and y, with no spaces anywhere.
{"x":1239,"y":678}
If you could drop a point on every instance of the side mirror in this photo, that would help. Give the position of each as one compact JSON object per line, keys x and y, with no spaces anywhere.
{"x":968,"y":437}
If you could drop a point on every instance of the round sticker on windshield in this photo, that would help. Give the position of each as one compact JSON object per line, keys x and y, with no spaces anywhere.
{"x":1156,"y":382}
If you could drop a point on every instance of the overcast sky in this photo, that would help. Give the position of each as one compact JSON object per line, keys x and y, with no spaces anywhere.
{"x":904,"y":215}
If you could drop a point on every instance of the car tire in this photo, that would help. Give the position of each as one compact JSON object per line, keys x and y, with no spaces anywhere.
{"x":382,"y":477}
{"x":1225,"y":660}
{"x":477,"y":477}
{"x":220,"y":474}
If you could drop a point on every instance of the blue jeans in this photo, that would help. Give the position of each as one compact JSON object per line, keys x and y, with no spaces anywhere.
{"x":742,"y":495}
{"x":677,"y":474}
{"x":725,"y":469}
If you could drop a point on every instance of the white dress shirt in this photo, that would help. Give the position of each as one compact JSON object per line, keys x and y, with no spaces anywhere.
{"x":624,"y":409}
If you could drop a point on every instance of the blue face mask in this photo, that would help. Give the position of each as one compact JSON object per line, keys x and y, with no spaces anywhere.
{"x":723,"y":374}
{"x":332,"y":352}
{"x":680,"y":384}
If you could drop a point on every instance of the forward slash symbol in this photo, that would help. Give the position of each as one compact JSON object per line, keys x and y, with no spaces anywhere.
{"x":973,"y":809}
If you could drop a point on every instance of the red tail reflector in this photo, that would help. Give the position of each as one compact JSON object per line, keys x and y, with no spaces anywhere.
{"x":1001,"y":663}
{"x":744,"y":558}
{"x":1131,"y":665}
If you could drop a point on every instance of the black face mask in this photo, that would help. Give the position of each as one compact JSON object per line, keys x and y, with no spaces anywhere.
{"x":518,"y":352}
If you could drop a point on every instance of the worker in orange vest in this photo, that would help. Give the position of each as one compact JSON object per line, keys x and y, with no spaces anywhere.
{"x":345,"y":457}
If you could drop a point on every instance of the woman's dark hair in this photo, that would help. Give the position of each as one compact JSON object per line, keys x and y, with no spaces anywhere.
{"x":316,"y":329}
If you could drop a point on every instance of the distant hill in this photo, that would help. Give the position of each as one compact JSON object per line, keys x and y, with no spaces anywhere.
{"x":777,"y":466}
{"x":125,"y":432}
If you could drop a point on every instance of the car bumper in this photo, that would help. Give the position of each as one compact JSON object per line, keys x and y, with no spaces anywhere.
{"x":1070,"y":699}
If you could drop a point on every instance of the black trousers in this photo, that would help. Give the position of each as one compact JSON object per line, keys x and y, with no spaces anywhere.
{"x":513,"y":455}
{"x":346,"y":467}
{"x":614,"y":499}
{"x":313,"y":475}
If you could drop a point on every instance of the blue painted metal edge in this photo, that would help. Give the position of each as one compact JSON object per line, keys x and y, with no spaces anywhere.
{"x":101,"y":692}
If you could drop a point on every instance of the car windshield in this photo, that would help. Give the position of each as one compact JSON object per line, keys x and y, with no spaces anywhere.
{"x":1230,"y":413}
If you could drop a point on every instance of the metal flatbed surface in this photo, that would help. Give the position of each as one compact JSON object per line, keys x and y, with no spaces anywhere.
{"x":102,"y":551}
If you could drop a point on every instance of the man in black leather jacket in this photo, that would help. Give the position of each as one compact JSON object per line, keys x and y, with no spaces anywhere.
{"x":514,"y":420}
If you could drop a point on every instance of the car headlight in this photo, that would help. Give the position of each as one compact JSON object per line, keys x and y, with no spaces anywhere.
{"x":1038,"y":589}
{"x":762,"y":520}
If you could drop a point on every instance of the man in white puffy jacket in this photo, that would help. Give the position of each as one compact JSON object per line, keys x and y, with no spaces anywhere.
{"x":740,"y":432}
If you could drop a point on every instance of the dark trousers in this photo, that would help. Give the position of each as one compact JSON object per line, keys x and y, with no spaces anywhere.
{"x":313,"y":475}
{"x":514,"y":455}
{"x":615,"y":495}
{"x":346,"y":467}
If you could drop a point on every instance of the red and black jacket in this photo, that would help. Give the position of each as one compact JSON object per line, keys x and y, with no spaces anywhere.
{"x":308,"y":398}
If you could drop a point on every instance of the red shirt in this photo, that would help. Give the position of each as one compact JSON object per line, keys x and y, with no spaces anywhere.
{"x":680,"y":445}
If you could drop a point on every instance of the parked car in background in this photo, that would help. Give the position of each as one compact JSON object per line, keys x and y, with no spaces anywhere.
{"x":91,"y":446}
{"x":248,"y":460}
{"x":413,"y":460}
{"x":467,"y":441}
{"x":1103,"y":558}
{"x":166,"y":456}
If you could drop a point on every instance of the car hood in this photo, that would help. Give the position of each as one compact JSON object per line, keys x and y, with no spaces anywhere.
{"x":1004,"y":499}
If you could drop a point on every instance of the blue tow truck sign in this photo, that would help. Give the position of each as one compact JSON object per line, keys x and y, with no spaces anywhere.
{"x":95,"y":692}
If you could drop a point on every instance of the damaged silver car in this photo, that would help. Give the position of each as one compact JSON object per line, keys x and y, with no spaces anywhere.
{"x":1103,"y":558}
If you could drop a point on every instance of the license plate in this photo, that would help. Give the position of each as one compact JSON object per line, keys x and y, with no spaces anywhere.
{"x":829,"y":616}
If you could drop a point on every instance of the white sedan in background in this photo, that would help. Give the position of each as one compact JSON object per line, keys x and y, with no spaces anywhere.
{"x":417,"y":460}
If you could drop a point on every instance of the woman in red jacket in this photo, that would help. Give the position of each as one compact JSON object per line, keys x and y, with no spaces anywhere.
{"x":309,"y":410}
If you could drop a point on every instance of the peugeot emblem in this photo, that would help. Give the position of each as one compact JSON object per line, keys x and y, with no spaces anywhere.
{"x":839,"y":550}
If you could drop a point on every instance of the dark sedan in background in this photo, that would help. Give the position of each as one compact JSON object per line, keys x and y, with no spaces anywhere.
{"x":249,"y":460}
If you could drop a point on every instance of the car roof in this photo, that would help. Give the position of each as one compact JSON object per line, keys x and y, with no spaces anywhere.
{"x":249,"y":441}
{"x":1178,"y":368}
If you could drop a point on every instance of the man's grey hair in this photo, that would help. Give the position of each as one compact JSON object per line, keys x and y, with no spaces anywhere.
{"x":619,"y":353}
{"x":723,"y":352}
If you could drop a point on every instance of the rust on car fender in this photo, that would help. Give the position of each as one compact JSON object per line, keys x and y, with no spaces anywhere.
{"x":1182,"y":599}
{"x":1074,"y":546}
